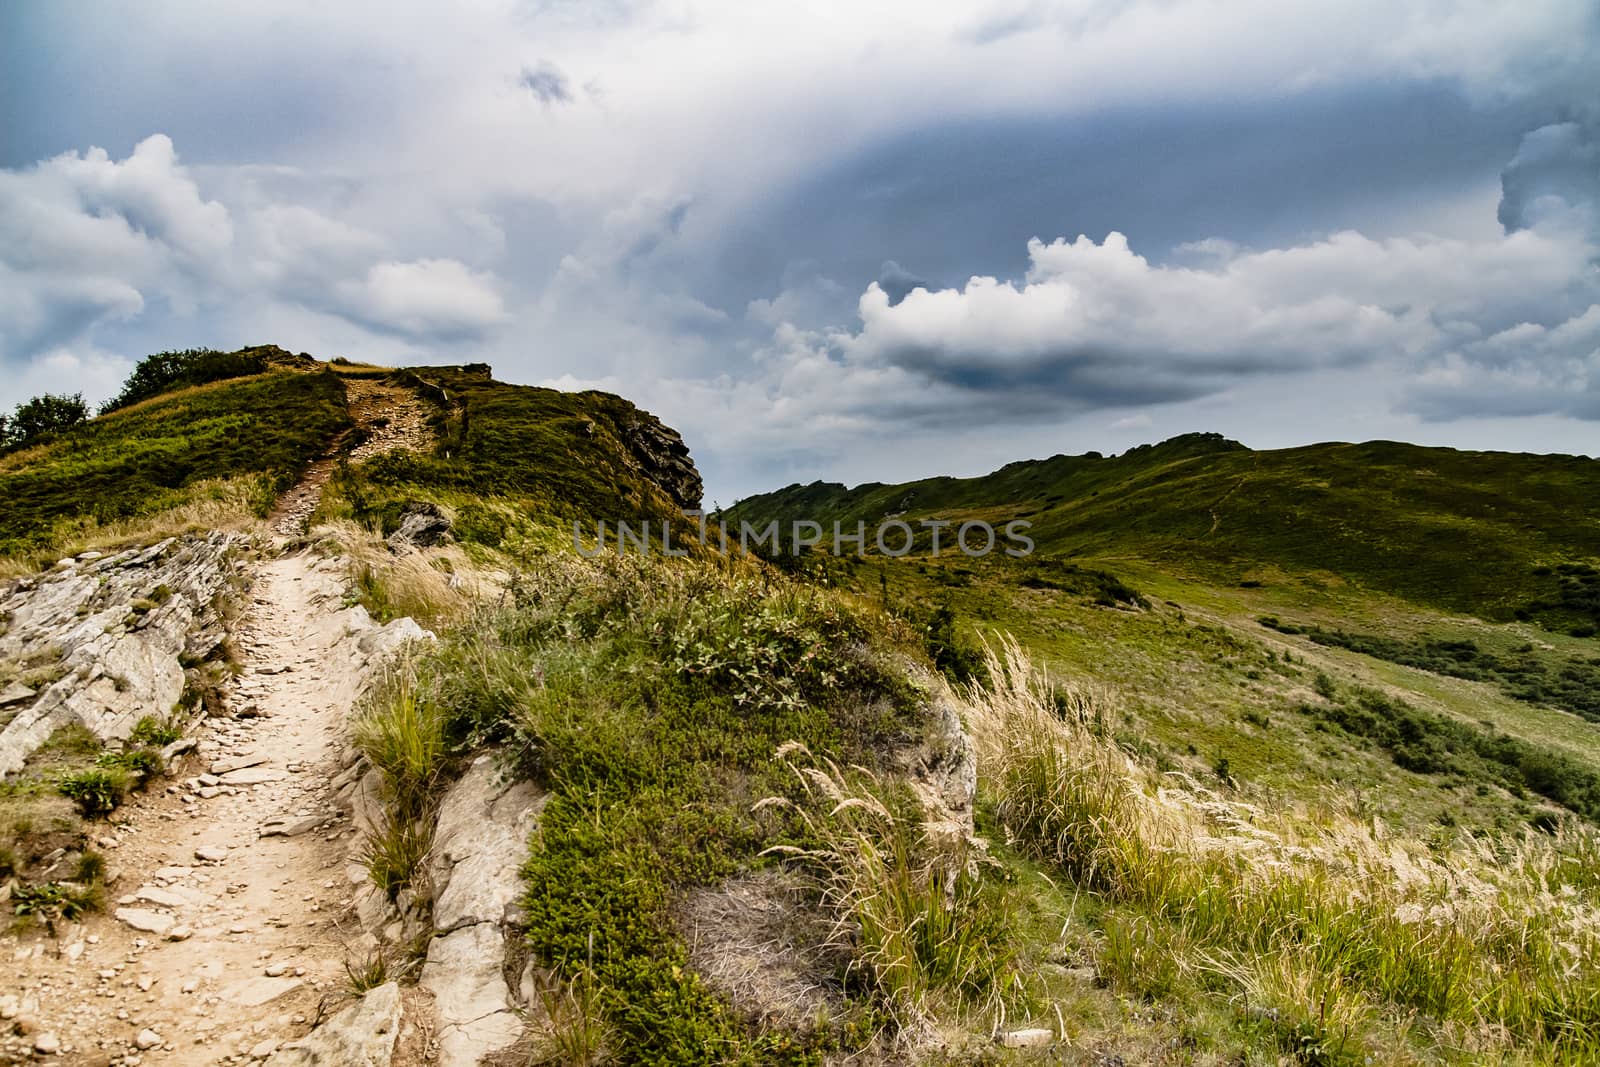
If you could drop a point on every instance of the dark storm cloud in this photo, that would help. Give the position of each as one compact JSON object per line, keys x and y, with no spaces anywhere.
{"x":897,"y":281}
{"x":959,"y":199}
{"x":546,"y":83}
{"x":513,"y":183}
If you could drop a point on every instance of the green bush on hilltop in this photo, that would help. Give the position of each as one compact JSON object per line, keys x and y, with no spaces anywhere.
{"x":41,"y":416}
{"x":167,"y":371}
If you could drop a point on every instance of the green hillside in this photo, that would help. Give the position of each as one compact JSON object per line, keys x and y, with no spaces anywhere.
{"x":251,"y":435}
{"x":202,"y":438}
{"x":1499,"y":535}
{"x":517,"y":455}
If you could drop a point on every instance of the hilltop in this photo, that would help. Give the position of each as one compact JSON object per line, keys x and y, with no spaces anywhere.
{"x":203,"y":439}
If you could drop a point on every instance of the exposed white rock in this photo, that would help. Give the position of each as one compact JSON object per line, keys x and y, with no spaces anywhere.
{"x":254,"y":992}
{"x":361,"y":1035}
{"x":145,"y":921}
{"x":464,"y":971}
{"x":479,"y":843}
{"x":1034,"y":1038}
{"x":112,"y":665}
{"x":234,"y":763}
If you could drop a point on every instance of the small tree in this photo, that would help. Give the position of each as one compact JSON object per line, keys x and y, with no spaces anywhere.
{"x":166,"y":371}
{"x":46,"y":414}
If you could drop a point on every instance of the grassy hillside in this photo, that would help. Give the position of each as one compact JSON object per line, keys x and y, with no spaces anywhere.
{"x":242,"y":440}
{"x":1499,"y":535}
{"x":516,"y":457}
{"x":1204,"y":840}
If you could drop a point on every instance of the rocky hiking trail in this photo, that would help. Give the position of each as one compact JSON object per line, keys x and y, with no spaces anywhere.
{"x":387,"y":416}
{"x":230,"y":910}
{"x":226,"y":929}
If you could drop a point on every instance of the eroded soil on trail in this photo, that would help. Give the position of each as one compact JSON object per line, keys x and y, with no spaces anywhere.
{"x":387,"y":417}
{"x":217,"y":941}
{"x":229,"y":913}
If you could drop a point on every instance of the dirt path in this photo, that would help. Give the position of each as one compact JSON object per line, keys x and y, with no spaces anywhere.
{"x":260,"y":920}
{"x":388,"y":417}
{"x":229,"y":914}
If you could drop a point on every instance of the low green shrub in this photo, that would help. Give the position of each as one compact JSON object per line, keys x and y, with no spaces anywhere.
{"x":96,"y":792}
{"x":153,"y":730}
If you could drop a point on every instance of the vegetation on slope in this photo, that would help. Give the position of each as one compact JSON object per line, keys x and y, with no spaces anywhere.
{"x":1572,"y":683}
{"x":650,"y":698}
{"x":1340,"y":946}
{"x":46,"y":859}
{"x":1495,"y":534}
{"x":248,"y":437}
{"x":166,"y":372}
{"x":512,"y":461}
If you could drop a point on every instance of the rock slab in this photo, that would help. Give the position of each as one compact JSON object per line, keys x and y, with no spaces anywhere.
{"x":361,"y":1035}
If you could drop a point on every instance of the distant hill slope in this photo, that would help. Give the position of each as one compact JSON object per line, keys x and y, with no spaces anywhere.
{"x":1489,"y":533}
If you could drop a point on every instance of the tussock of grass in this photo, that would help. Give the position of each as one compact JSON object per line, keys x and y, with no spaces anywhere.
{"x":401,"y":732}
{"x":576,"y":1033}
{"x":913,"y":902}
{"x":1491,"y":945}
{"x":436,"y":586}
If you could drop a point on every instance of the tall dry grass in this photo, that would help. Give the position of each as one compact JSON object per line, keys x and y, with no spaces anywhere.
{"x":234,"y":504}
{"x":1490,"y":947}
{"x":908,"y":894}
{"x":436,"y":586}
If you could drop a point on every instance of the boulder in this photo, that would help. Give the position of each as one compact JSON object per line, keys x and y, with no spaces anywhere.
{"x":110,"y":633}
{"x":479,"y":842}
{"x":421,"y":526}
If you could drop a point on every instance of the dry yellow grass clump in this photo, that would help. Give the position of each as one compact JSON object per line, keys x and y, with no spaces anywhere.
{"x":232,"y":504}
{"x":436,"y":586}
{"x":1349,"y":936}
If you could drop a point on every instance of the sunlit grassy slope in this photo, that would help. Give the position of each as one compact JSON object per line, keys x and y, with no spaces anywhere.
{"x":233,"y":444}
{"x":1495,"y":534}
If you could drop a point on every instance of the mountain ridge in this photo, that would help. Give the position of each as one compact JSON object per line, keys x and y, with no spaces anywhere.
{"x":1465,"y":530}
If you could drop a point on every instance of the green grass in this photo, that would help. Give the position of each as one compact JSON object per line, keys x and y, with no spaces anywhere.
{"x":1193,"y":682}
{"x":1356,"y":942}
{"x":1571,"y":683}
{"x":167,"y":372}
{"x":650,"y":699}
{"x":46,"y":813}
{"x":1495,"y":534}
{"x":155,"y":456}
{"x":1435,"y":744}
{"x":510,"y":460}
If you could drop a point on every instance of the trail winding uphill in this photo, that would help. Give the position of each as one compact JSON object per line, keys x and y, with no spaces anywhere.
{"x":230,"y":910}
{"x":227,"y":926}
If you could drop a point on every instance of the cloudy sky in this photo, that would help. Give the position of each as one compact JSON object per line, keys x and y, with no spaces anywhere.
{"x":856,"y":241}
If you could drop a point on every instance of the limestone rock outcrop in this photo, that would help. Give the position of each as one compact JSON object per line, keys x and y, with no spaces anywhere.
{"x":102,"y":640}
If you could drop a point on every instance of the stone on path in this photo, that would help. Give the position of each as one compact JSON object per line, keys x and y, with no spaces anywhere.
{"x":145,"y":921}
{"x":362,"y":1035}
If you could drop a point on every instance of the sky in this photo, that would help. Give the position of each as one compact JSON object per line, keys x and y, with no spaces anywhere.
{"x":854,"y":242}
